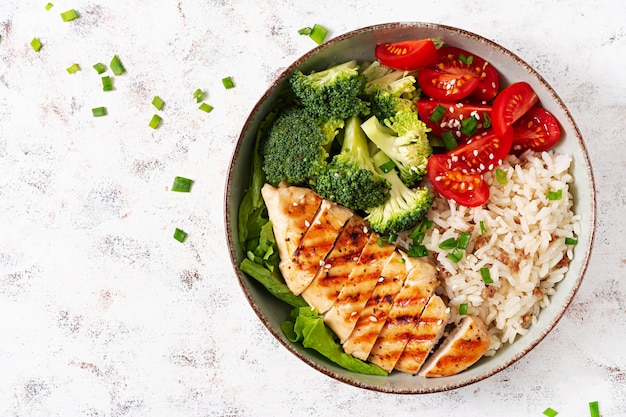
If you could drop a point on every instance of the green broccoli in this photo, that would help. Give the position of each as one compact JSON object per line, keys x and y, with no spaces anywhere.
{"x":350,"y":178}
{"x":297,"y":147}
{"x":331,"y":94}
{"x":405,"y":207}
{"x":391,"y":93}
{"x":403,"y":138}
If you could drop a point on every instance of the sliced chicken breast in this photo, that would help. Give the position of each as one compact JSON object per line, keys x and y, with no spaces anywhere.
{"x":407,"y":307}
{"x":330,"y":279}
{"x":425,"y":335}
{"x":374,"y":314}
{"x":303,"y":264}
{"x":463,"y":347}
{"x":346,"y":310}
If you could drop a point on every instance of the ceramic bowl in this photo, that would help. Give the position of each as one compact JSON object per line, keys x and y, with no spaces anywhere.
{"x":359,"y":44}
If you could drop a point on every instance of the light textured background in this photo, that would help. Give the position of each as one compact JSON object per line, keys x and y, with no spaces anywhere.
{"x":103,"y":313}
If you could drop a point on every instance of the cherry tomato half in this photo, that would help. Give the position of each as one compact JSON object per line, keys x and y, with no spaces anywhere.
{"x":454,"y":116}
{"x":483,"y":152}
{"x":449,"y":84}
{"x":510,"y":104}
{"x":489,"y":79}
{"x":406,"y":55}
{"x":537,"y":129}
{"x":450,"y":180}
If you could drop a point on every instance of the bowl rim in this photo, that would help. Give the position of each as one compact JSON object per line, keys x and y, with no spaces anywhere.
{"x":587,"y":250}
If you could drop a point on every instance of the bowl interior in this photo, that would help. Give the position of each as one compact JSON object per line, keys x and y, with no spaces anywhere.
{"x":359,"y":44}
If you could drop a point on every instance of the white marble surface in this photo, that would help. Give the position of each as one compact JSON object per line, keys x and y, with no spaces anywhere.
{"x":105,"y":314}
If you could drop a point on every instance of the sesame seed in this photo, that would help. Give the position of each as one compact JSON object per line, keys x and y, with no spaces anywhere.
{"x":328,"y":266}
{"x":295,"y":204}
{"x":475,"y":152}
{"x":353,"y":314}
{"x":355,"y":259}
{"x":491,"y":156}
{"x":321,"y":262}
{"x":454,"y":158}
{"x":381,"y":279}
{"x":307,"y":223}
{"x":490,"y":167}
{"x":482,"y":167}
{"x":365,"y":230}
{"x":373,"y":319}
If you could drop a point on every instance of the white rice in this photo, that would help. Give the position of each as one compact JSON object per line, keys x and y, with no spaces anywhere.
{"x":523,"y":245}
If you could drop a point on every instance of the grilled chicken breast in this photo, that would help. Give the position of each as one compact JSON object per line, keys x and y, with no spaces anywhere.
{"x":425,"y":335}
{"x":330,"y":278}
{"x":407,"y":307}
{"x":346,"y":310}
{"x":467,"y":343}
{"x":374,"y":314}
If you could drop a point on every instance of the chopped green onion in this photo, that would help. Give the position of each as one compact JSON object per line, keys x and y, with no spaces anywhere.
{"x":107,"y":83}
{"x":466,"y":59}
{"x":486,"y":120}
{"x":36,"y":44}
{"x":228,"y":82}
{"x":317,"y":33}
{"x":198,"y":95}
{"x":206,"y":107}
{"x":180,"y":235}
{"x":158,"y":102}
{"x":449,"y":141}
{"x":417,"y":250}
{"x":387,"y":166}
{"x":49,"y":6}
{"x":182,"y":184}
{"x":116,"y":66}
{"x":483,"y":228}
{"x":554,"y":195}
{"x":99,"y":111}
{"x":391,"y":238}
{"x":464,"y":238}
{"x":501,"y":176}
{"x":99,"y":67}
{"x":571,"y":241}
{"x":437,"y":113}
{"x":456,"y":255}
{"x":73,"y":68}
{"x":486,"y":275}
{"x":469,"y":126}
{"x":69,"y":15}
{"x":550,"y":412}
{"x":155,"y":121}
{"x":449,"y":243}
{"x":594,"y":409}
{"x":463,"y":309}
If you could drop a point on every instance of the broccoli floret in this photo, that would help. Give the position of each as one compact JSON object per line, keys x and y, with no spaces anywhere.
{"x":405,"y":207}
{"x":404,"y":139}
{"x":296,"y":147}
{"x":390,"y":94}
{"x":350,"y":178}
{"x":331,"y":94}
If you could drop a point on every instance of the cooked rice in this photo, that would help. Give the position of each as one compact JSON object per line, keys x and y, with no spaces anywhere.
{"x":523,"y":245}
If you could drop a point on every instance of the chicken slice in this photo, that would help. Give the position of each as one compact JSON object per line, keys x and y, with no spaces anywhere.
{"x":425,"y":335}
{"x":418,"y":287}
{"x":463,"y":347}
{"x":302,"y":265}
{"x":345,"y":312}
{"x":327,"y":284}
{"x":374,"y":314}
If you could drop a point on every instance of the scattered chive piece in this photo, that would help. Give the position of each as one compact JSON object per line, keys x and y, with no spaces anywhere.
{"x":501,"y":176}
{"x":448,"y":140}
{"x":463,"y":309}
{"x":107,"y":83}
{"x":116,"y":66}
{"x":198,"y":95}
{"x":571,"y":241}
{"x":483,"y":229}
{"x":228,"y":82}
{"x":158,"y":102}
{"x":387,"y":166}
{"x":456,"y":255}
{"x":181,"y":184}
{"x":554,"y":195}
{"x":469,"y":126}
{"x":36,"y":44}
{"x":466,"y":59}
{"x":486,"y":120}
{"x":99,"y":67}
{"x":180,"y":235}
{"x":437,"y":113}
{"x":69,"y":15}
{"x":206,"y":107}
{"x":99,"y":111}
{"x":449,"y":243}
{"x":550,"y":412}
{"x":155,"y":121}
{"x":73,"y":68}
{"x":317,"y":33}
{"x":594,"y":409}
{"x":49,"y":6}
{"x":464,"y":239}
{"x":417,"y":250}
{"x":486,"y":275}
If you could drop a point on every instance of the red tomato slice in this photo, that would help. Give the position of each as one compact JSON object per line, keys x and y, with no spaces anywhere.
{"x":537,"y":129}
{"x":512,"y":102}
{"x":406,"y":55}
{"x":454,"y":116}
{"x":489,"y":79}
{"x":449,"y":85}
{"x":483,"y":152}
{"x":450,"y":180}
